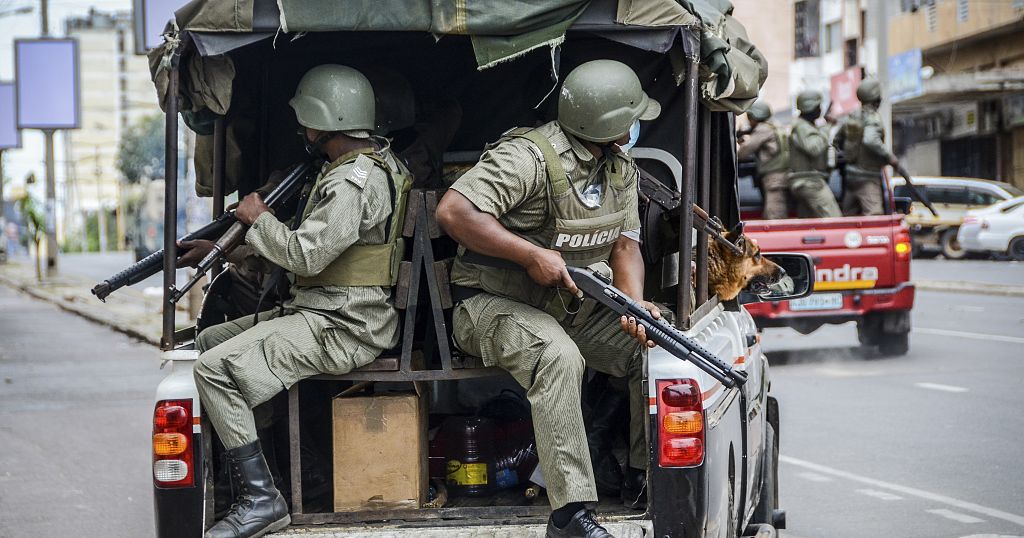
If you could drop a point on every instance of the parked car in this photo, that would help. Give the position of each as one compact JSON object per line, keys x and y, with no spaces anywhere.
{"x":952,"y":197}
{"x":997,"y":229}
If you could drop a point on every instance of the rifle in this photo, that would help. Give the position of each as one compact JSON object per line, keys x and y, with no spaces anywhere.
{"x":152,"y":264}
{"x":659,"y":331}
{"x":920,"y":196}
{"x":289,"y":186}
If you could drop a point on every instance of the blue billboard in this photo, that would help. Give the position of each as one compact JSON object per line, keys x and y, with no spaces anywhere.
{"x":905,"y":76}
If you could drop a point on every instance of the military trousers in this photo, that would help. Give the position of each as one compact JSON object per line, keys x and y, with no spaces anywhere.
{"x":548,"y":360}
{"x":776,"y":196}
{"x":863,"y":197}
{"x":813,"y":197}
{"x":241,"y":365}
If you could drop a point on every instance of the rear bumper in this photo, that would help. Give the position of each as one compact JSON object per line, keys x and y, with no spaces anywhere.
{"x":856,"y":303}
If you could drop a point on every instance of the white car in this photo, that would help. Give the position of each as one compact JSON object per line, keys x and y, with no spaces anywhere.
{"x":998,"y":228}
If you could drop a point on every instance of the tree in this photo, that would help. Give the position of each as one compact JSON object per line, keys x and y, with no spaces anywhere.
{"x":142,"y":149}
{"x":36,"y":224}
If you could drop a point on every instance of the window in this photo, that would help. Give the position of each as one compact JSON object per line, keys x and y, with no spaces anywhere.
{"x":980,"y":197}
{"x":931,"y":17}
{"x":833,"y":37}
{"x":963,"y":10}
{"x":850,"y":53}
{"x":808,"y":19}
{"x":1011,"y":208}
{"x":947,"y":195}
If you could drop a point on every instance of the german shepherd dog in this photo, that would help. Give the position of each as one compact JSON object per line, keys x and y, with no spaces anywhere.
{"x":730,"y":273}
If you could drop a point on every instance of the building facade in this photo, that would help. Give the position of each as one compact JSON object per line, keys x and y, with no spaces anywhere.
{"x":963,"y":114}
{"x":115,"y":93}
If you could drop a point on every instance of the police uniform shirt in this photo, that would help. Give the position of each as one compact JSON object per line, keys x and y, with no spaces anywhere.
{"x":510,"y":182}
{"x":350,"y":205}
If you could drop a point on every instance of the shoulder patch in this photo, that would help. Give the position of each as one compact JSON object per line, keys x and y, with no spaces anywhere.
{"x":360,"y":171}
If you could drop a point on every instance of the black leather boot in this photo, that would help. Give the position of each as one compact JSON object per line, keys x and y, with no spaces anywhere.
{"x":582,"y":525}
{"x":259,"y":508}
{"x":634,"y":488}
{"x":609,"y":420}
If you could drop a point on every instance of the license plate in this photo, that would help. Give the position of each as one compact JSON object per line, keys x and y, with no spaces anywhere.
{"x":818,"y":301}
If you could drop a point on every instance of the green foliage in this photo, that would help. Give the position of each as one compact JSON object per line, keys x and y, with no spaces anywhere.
{"x":35,"y":222}
{"x":141,"y":154}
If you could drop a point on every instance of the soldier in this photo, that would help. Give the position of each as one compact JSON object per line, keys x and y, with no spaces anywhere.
{"x":769,"y":144}
{"x":808,"y":161}
{"x":341,"y":315}
{"x":561,"y":193}
{"x":861,"y":138}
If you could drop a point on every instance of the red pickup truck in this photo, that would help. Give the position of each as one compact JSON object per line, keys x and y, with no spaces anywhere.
{"x":862,"y":267}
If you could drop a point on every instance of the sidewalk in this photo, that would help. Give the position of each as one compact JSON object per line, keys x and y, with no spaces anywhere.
{"x":128,"y":310}
{"x":988,"y":277}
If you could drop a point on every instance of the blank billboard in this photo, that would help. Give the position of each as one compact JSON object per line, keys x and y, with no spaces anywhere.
{"x":151,"y":18}
{"x":46,"y":74}
{"x":10,"y":136}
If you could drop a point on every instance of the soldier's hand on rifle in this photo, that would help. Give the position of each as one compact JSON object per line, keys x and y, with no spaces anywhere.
{"x":197,"y":250}
{"x":634,"y":329}
{"x":547,"y":268}
{"x":250,"y":208}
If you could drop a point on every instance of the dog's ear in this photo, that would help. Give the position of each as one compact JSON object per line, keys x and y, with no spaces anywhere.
{"x":735,"y":232}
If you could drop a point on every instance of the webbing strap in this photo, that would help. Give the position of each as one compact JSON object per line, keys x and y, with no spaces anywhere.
{"x":556,"y":173}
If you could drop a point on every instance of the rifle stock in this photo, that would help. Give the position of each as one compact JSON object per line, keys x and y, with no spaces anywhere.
{"x":658,"y":330}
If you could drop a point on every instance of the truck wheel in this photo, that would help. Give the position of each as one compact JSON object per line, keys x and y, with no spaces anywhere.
{"x":769,"y":499}
{"x":917,"y":250}
{"x":894,"y":344}
{"x":1016,"y":249}
{"x":869,"y":330}
{"x":951,"y":248}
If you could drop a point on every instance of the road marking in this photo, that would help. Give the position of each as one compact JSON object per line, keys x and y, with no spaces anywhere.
{"x":938,"y":386}
{"x":914,"y":492}
{"x":955,"y":516}
{"x":814,"y":477}
{"x":965,"y":334}
{"x":884,"y":495}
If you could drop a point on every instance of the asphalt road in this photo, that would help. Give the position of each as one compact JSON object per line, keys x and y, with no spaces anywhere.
{"x":75,"y":419}
{"x":925,"y":445}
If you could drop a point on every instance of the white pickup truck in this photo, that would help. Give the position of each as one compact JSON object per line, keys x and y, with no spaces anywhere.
{"x":715,"y":480}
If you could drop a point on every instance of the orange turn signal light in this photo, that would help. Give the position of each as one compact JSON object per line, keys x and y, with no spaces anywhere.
{"x":683,"y":422}
{"x":902,"y":248}
{"x":169,"y":444}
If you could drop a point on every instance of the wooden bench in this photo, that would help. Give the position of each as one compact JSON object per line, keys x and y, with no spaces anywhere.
{"x":405,"y":363}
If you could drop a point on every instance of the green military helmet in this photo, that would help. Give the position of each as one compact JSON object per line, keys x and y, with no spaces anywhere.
{"x":807,"y":101}
{"x":760,"y":111}
{"x":334,"y":97}
{"x":869,"y":91}
{"x":601,"y":99}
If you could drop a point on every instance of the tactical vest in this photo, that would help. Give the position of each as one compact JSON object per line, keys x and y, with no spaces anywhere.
{"x":361,"y":265}
{"x":801,"y":164}
{"x":584,"y":236}
{"x":858,"y":158}
{"x":780,"y":161}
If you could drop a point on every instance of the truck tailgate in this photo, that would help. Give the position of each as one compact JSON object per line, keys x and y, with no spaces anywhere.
{"x":848,"y":252}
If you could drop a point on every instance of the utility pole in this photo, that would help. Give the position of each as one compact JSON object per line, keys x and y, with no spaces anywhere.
{"x":51,"y":181}
{"x":880,"y":26}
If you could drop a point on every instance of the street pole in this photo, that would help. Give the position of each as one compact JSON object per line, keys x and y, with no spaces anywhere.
{"x":101,"y":214}
{"x":51,"y":207}
{"x":880,"y":24}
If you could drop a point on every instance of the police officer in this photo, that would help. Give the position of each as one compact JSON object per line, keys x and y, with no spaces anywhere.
{"x":861,"y":138}
{"x":562,"y":193}
{"x":341,"y":315}
{"x":808,"y":161}
{"x":769,"y":145}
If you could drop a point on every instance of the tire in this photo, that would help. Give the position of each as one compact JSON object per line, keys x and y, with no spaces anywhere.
{"x":1016,"y":249}
{"x":951,"y":248}
{"x":917,"y":250}
{"x":769,"y":499}
{"x":869,"y":330}
{"x":894,"y":344}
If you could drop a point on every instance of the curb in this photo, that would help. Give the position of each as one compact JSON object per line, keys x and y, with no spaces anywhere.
{"x":75,"y":308}
{"x":960,"y":286}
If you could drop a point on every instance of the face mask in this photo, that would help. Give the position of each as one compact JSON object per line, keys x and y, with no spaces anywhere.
{"x":634,"y":135}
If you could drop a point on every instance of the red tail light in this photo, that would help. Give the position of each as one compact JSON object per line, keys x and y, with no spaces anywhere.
{"x":173,"y":453}
{"x":902,"y":245}
{"x":680,"y":423}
